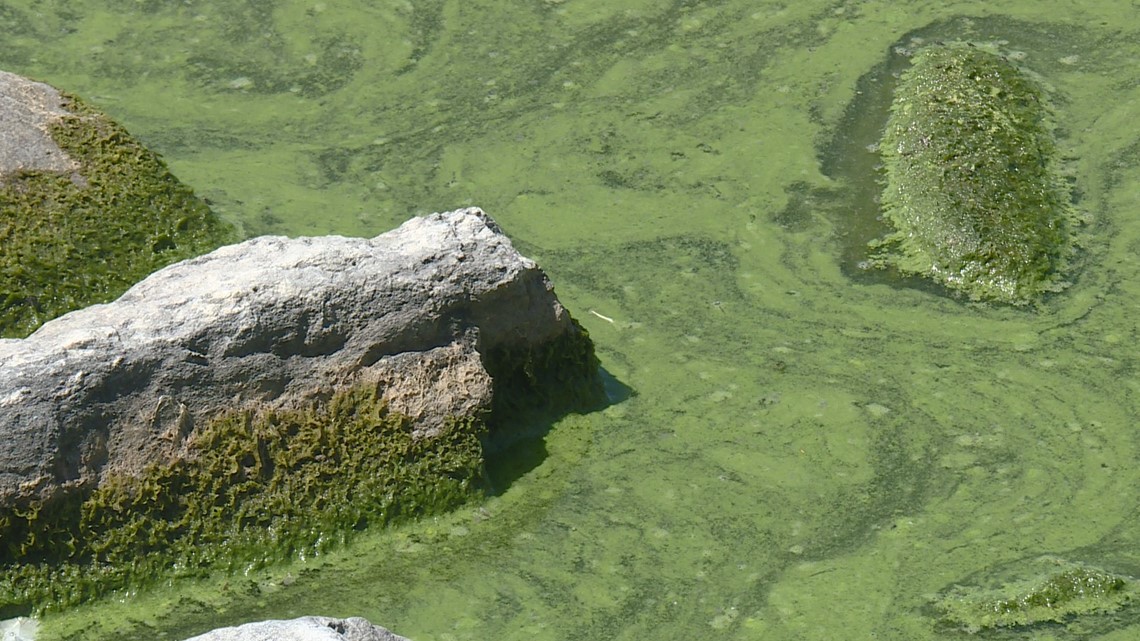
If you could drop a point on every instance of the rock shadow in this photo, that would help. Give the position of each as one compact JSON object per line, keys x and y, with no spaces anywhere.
{"x":516,"y":443}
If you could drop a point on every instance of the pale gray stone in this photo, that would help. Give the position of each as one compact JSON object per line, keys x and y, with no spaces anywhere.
{"x":268,"y":322}
{"x":18,"y":629}
{"x":27,"y":110}
{"x":303,"y":629}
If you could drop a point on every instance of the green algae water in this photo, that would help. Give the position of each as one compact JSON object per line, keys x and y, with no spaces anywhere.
{"x":802,"y":453}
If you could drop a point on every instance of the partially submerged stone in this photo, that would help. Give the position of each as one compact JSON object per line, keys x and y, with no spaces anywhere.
{"x":972,"y":184}
{"x":303,"y":629}
{"x":85,"y":210}
{"x":269,"y":397}
{"x":1047,"y":590}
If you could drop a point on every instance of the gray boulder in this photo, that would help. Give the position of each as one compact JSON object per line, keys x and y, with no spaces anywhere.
{"x":303,"y":629}
{"x":441,"y":320}
{"x":268,"y":321}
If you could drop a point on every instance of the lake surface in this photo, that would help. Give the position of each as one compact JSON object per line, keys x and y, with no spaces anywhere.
{"x":806,"y":453}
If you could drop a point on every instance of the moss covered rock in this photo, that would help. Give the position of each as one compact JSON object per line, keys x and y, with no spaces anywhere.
{"x":250,"y":487}
{"x":268,"y":398}
{"x":973,"y":189}
{"x":85,"y":210}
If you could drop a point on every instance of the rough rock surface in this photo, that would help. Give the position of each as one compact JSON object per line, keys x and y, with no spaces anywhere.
{"x":303,"y":629}
{"x":268,"y":322}
{"x":27,"y":108}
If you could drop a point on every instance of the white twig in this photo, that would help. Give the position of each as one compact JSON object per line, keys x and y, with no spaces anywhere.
{"x":605,"y":318}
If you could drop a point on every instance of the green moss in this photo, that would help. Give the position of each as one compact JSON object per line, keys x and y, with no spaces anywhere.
{"x":1066,"y":591}
{"x":67,"y":242}
{"x":253,"y":488}
{"x":972,"y":187}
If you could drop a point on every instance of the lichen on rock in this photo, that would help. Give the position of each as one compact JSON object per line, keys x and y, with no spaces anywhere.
{"x":973,"y":190}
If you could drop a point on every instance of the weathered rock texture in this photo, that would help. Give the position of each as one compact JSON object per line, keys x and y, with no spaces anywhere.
{"x":85,"y":210}
{"x":303,"y":629}
{"x":232,"y":396}
{"x":29,"y":109}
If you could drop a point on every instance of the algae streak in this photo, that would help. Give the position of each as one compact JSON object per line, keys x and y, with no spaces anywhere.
{"x":972,"y":188}
{"x":69,"y":241}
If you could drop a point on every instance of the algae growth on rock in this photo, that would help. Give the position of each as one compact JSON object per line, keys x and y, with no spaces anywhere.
{"x":1047,"y":590}
{"x":76,"y":238}
{"x":972,"y":189}
{"x":254,"y":488}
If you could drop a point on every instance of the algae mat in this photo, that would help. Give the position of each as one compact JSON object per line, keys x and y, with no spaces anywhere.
{"x":806,"y":455}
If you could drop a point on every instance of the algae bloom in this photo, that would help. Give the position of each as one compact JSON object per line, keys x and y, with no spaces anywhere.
{"x":972,"y":186}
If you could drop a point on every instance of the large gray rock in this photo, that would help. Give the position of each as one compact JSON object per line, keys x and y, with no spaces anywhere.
{"x":270,"y":322}
{"x":303,"y":629}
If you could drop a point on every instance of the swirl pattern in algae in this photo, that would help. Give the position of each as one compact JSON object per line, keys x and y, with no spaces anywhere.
{"x":810,"y":450}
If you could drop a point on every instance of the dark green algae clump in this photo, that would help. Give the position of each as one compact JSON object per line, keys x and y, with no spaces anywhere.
{"x":973,"y":190}
{"x":72,"y":240}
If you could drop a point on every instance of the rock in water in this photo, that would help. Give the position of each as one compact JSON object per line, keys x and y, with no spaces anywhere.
{"x":972,"y":186}
{"x":303,"y":629}
{"x":271,"y":394}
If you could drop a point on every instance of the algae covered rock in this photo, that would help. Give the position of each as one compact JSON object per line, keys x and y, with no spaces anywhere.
{"x":85,"y":209}
{"x":972,"y":189}
{"x":270,"y":397}
{"x":1045,"y":590}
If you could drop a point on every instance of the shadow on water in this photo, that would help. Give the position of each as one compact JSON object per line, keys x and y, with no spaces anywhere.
{"x":514,"y":452}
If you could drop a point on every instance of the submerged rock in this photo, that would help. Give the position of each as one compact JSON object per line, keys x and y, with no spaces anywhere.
{"x":1045,"y":590}
{"x":19,"y":629}
{"x":973,"y":190}
{"x":85,"y":210}
{"x":303,"y":629}
{"x":271,"y":396}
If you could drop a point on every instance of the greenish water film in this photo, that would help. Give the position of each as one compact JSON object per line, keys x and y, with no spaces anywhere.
{"x":806,"y":453}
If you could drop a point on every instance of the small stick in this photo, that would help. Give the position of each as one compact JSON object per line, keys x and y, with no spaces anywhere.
{"x":605,"y":318}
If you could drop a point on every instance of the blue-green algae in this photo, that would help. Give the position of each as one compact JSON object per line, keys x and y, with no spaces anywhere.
{"x":804,"y":455}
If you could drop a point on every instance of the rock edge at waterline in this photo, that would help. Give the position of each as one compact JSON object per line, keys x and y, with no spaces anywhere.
{"x":303,"y":629}
{"x":267,"y":398}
